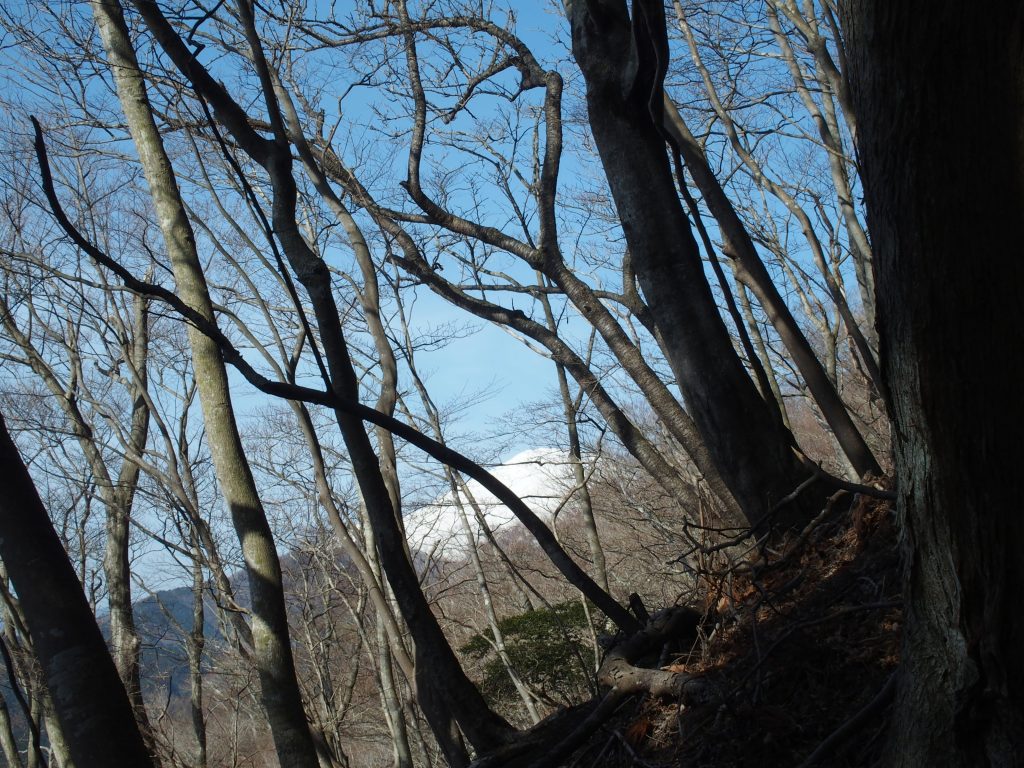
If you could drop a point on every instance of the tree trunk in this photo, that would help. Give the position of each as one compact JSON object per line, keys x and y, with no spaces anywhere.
{"x":7,"y":742}
{"x":738,"y":246}
{"x":272,"y":650}
{"x":87,"y":693}
{"x":939,"y":94}
{"x":195,"y":644}
{"x":124,"y":639}
{"x":620,"y":60}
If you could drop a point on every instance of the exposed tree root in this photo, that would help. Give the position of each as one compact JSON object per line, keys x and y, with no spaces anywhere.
{"x":551,"y":741}
{"x":619,"y":671}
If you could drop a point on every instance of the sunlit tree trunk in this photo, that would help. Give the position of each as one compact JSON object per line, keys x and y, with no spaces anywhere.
{"x":272,"y":650}
{"x":124,"y":639}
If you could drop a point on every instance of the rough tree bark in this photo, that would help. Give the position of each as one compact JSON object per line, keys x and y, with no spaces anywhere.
{"x":939,"y":95}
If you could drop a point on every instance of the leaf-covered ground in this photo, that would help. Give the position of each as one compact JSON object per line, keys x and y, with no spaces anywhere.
{"x":797,"y":662}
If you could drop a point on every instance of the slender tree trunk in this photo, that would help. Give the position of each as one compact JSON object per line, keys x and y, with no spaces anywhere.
{"x":391,"y":701}
{"x":35,"y":756}
{"x":60,"y":755}
{"x":365,"y":561}
{"x":939,"y":93}
{"x":827,"y":123}
{"x":16,"y":637}
{"x":124,"y":639}
{"x":570,"y":410}
{"x":196,"y":644}
{"x":488,"y":605}
{"x":272,"y":650}
{"x":434,"y":418}
{"x":7,"y":742}
{"x":88,"y":696}
{"x":754,"y":332}
{"x":738,"y":246}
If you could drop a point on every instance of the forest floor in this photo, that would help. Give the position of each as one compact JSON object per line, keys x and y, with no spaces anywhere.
{"x":799,"y":662}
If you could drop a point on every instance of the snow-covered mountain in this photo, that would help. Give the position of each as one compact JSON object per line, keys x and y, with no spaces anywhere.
{"x":542,"y":477}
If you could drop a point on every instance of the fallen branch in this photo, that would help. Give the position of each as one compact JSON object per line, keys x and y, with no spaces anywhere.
{"x":625,"y":680}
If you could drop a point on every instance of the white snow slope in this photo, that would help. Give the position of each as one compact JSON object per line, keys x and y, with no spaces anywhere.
{"x":542,"y":477}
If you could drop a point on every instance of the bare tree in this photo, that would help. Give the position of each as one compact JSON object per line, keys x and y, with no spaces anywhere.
{"x":116,"y":488}
{"x":450,"y":177}
{"x":624,"y":61}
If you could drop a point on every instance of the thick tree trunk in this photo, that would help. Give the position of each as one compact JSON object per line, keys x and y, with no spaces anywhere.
{"x":619,"y":57}
{"x":87,"y":693}
{"x":939,"y":93}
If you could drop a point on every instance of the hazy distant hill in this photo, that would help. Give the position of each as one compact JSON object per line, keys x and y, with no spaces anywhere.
{"x":161,"y":620}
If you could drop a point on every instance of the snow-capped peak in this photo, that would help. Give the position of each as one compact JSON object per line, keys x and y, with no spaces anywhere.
{"x":541,"y":477}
